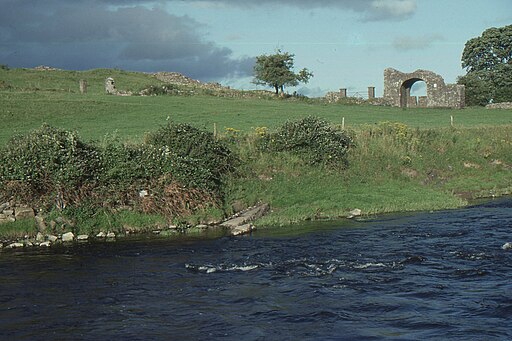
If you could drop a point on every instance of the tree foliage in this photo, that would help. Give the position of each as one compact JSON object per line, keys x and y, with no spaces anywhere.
{"x":488,"y":62}
{"x":276,"y":70}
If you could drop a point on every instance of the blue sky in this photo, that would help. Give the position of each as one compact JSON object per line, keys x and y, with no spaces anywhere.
{"x":346,"y":43}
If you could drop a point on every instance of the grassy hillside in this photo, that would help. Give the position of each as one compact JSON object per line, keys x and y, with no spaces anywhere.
{"x":34,"y":97}
{"x":402,"y":160}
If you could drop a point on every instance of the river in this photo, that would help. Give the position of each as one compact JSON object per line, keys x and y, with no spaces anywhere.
{"x":435,"y":276}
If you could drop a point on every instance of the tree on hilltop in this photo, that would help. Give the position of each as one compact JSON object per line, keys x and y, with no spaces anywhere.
{"x":276,"y":70}
{"x":488,"y":62}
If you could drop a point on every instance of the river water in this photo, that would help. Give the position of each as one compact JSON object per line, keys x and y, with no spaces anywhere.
{"x":441,"y":275}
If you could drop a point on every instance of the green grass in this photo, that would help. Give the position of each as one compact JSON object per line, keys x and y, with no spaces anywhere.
{"x":18,"y":229}
{"x":90,"y":222}
{"x":62,"y":81}
{"x":95,"y":114}
{"x":389,"y":171}
{"x":399,"y":169}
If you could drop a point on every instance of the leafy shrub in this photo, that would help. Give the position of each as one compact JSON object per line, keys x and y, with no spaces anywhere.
{"x":195,"y":146}
{"x":49,"y":156}
{"x":313,"y":137}
{"x":50,"y":168}
{"x":4,"y":85}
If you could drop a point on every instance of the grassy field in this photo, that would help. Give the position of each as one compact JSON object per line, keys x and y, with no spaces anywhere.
{"x":52,"y":97}
{"x":96,"y":115}
{"x":419,"y":164}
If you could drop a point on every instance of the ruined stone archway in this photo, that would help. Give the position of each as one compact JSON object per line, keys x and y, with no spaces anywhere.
{"x":397,"y":90}
{"x":406,"y":100}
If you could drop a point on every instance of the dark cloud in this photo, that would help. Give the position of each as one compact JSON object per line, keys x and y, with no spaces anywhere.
{"x":140,"y":34}
{"x":90,"y":34}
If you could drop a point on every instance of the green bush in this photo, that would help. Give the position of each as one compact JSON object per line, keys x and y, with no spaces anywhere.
{"x":196,"y":148}
{"x":312,"y":137}
{"x":51,"y":168}
{"x":49,"y":156}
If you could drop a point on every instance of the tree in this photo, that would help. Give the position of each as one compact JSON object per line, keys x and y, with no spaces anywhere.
{"x":276,"y":70}
{"x":488,"y":62}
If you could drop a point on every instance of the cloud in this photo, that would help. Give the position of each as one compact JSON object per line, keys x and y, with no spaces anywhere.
{"x":312,"y":92}
{"x":371,"y":10}
{"x":408,"y":43}
{"x":391,"y":9}
{"x":142,"y":35}
{"x":76,"y":35}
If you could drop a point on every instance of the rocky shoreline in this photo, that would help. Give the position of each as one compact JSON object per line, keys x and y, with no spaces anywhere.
{"x":238,"y":224}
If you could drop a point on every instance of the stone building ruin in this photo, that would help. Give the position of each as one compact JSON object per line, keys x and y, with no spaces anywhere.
{"x":110,"y":86}
{"x":397,"y":90}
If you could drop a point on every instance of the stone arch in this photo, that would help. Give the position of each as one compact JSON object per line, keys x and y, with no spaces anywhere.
{"x":405,"y":92}
{"x":397,"y":90}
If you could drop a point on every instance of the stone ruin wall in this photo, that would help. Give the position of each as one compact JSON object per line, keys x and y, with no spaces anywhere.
{"x":397,"y":87}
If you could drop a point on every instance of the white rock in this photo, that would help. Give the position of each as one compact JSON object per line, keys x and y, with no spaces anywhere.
{"x":101,"y":235}
{"x":24,"y":213}
{"x":242,"y":229}
{"x":29,"y":243}
{"x":111,"y":235}
{"x":68,"y":237}
{"x":15,"y":245}
{"x":354,"y":213}
{"x":143,"y":193}
{"x":507,"y":246}
{"x":7,"y":219}
{"x":45,"y":244}
{"x":82,"y":237}
{"x":51,"y":238}
{"x":41,"y":225}
{"x":39,"y":237}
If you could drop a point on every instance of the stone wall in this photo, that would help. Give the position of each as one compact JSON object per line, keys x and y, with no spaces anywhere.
{"x":179,"y":79}
{"x":337,"y":97}
{"x":502,"y":105}
{"x":397,"y":90}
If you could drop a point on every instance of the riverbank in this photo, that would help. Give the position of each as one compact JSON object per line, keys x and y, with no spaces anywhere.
{"x":116,"y":164}
{"x":389,"y":168}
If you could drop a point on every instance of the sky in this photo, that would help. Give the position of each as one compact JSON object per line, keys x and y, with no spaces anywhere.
{"x":345,"y":43}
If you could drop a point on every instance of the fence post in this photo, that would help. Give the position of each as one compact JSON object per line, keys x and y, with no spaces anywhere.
{"x":83,"y":86}
{"x":371,"y":92}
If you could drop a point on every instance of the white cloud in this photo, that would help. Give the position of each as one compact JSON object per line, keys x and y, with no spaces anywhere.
{"x":408,"y":43}
{"x":384,"y":9}
{"x":371,"y":10}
